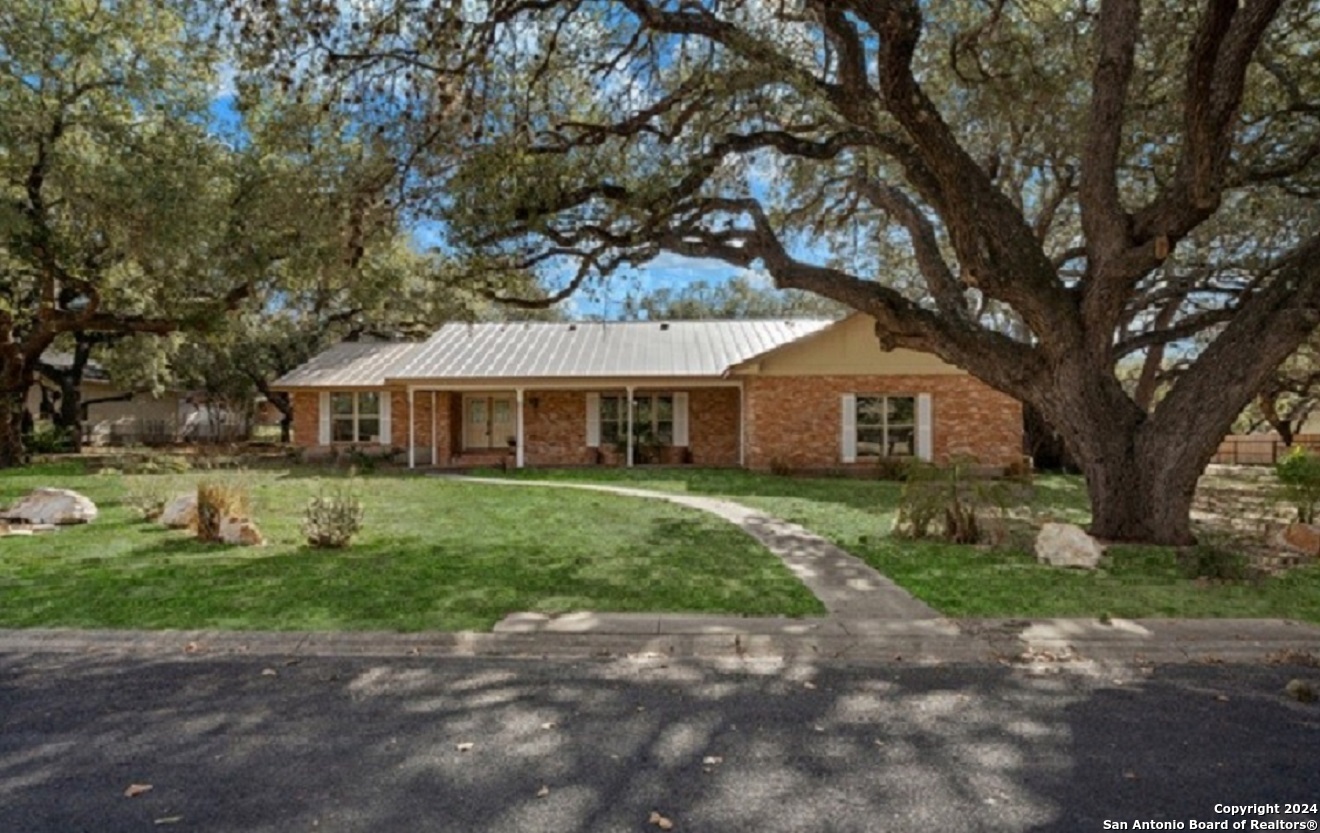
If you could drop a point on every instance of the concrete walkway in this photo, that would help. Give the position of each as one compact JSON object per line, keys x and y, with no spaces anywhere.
{"x":848,"y":587}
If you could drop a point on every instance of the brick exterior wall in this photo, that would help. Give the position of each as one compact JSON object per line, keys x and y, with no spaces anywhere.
{"x":555,"y":428}
{"x":306,"y":418}
{"x":796,"y":420}
{"x":790,"y":419}
{"x":713,"y":426}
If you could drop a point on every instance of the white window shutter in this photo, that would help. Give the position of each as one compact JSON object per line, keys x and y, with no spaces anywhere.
{"x":593,"y":420}
{"x":386,"y":437}
{"x":681,"y":419}
{"x":848,"y":429}
{"x":324,"y":422}
{"x":925,"y":448}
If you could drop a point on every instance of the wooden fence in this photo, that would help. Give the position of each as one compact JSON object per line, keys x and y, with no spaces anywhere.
{"x":1260,"y":449}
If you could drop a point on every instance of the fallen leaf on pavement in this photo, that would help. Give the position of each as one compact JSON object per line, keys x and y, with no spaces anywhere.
{"x":268,"y":672}
{"x":543,"y":792}
{"x":169,"y":820}
{"x":660,"y":821}
{"x":463,"y":747}
{"x":808,"y":685}
{"x":712,"y":760}
{"x":134,"y":790}
{"x":550,"y":725}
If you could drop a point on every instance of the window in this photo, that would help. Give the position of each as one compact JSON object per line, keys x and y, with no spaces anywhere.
{"x":355,"y":417}
{"x":653,"y":419}
{"x":886,"y":426}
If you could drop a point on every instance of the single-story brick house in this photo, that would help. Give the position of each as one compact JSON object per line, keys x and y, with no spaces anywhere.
{"x":803,"y":394}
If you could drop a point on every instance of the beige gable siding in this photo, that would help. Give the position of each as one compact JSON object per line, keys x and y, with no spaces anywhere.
{"x":846,"y":349}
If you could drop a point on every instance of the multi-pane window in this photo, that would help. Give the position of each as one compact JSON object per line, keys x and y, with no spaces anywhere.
{"x":355,"y":417}
{"x":653,"y":419}
{"x":886,"y":426}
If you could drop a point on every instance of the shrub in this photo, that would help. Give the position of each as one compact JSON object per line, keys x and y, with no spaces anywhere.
{"x":892,"y":468}
{"x":218,"y":500}
{"x":950,"y":503}
{"x":146,"y":496}
{"x":331,"y":520}
{"x":1299,"y":475}
{"x":46,"y":438}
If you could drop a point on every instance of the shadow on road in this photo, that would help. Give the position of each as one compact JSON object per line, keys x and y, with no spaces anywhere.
{"x":249,"y":744}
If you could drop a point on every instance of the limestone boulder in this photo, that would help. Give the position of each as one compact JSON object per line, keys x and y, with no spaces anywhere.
{"x":180,"y":512}
{"x":241,"y":532}
{"x":52,"y":506}
{"x":1067,"y":545}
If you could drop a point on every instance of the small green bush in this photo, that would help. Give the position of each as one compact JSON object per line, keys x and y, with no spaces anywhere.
{"x":1299,"y":476}
{"x":46,"y":438}
{"x":331,"y":520}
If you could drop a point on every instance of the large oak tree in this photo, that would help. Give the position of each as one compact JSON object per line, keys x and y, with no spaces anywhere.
{"x":1012,"y":185}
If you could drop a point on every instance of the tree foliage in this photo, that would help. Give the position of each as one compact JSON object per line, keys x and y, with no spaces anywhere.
{"x":739,"y":297}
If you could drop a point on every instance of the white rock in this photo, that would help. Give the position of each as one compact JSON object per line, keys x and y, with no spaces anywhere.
{"x":1066,"y":545}
{"x":53,"y":506}
{"x":180,"y":512}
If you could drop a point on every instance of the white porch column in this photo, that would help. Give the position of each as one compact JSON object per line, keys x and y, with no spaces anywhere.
{"x":435,"y":435}
{"x":519,"y":453}
{"x":629,"y":451}
{"x":412,"y":431}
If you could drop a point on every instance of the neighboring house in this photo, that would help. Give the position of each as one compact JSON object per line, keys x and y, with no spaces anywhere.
{"x":759,"y":394}
{"x":111,"y":415}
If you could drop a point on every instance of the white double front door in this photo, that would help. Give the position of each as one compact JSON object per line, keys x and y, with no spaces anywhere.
{"x":488,"y":421}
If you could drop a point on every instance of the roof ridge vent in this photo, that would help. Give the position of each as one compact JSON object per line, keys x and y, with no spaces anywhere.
{"x":664,"y":325}
{"x":572,"y":328}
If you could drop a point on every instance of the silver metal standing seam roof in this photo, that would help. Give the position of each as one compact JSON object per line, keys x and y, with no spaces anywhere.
{"x":595,"y":349}
{"x":351,"y":364}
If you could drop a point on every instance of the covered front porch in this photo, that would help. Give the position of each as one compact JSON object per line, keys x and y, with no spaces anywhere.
{"x":617,"y":423}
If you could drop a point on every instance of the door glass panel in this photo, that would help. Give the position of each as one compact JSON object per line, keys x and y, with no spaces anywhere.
{"x":501,"y":410}
{"x":477,"y":412}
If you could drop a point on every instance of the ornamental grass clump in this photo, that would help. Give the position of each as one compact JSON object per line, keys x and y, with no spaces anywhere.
{"x":331,"y":520}
{"x":218,"y":500}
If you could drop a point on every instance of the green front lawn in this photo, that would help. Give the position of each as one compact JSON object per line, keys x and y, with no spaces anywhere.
{"x":434,"y":555}
{"x":979,"y":581}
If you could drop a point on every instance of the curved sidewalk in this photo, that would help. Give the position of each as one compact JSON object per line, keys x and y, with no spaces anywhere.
{"x":848,"y":587}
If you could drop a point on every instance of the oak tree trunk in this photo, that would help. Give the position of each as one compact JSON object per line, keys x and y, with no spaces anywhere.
{"x":1141,"y":483}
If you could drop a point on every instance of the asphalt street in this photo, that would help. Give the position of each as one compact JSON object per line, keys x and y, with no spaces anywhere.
{"x":365,"y":744}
